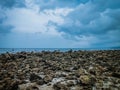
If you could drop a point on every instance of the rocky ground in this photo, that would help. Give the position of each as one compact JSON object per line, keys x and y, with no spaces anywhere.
{"x":71,"y":70}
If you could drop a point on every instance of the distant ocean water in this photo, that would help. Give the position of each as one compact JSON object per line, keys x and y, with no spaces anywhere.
{"x":14,"y":50}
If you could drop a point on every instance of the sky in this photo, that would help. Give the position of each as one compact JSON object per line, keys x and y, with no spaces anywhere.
{"x":59,"y":23}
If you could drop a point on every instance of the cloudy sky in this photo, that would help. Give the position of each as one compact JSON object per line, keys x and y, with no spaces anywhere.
{"x":59,"y":23}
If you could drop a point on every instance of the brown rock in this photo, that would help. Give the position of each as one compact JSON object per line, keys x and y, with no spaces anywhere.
{"x":48,"y":78}
{"x":34,"y":77}
{"x":9,"y":84}
{"x":84,"y":79}
{"x":59,"y":86}
{"x":28,"y":86}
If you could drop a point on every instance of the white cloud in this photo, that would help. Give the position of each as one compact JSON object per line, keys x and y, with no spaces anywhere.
{"x":32,"y":20}
{"x":59,"y":11}
{"x":33,"y":28}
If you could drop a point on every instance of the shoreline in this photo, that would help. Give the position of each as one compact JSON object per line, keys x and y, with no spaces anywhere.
{"x":15,"y":50}
{"x":56,"y":70}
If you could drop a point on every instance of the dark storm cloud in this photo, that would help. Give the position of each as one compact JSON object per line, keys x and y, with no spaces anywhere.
{"x":89,"y":19}
{"x":98,"y":18}
{"x":102,"y":4}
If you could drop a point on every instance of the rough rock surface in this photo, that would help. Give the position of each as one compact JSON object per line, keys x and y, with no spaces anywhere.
{"x":70,"y":70}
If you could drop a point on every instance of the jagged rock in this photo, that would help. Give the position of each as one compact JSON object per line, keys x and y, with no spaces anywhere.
{"x":73,"y":70}
{"x":84,"y":79}
{"x":117,"y":75}
{"x":34,"y":77}
{"x":48,"y":78}
{"x":70,"y":77}
{"x":71,"y":83}
{"x":46,"y":87}
{"x":79,"y":72}
{"x":7,"y":55}
{"x":28,"y":86}
{"x":8,"y":84}
{"x":40,"y":82}
{"x":59,"y":86}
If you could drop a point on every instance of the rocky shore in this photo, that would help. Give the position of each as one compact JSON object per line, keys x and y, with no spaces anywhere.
{"x":70,"y":70}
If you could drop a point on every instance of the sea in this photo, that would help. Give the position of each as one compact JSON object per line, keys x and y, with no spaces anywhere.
{"x":14,"y":50}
